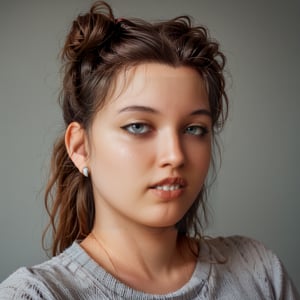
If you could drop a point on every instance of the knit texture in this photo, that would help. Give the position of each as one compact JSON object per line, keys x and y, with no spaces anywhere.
{"x":250,"y":271}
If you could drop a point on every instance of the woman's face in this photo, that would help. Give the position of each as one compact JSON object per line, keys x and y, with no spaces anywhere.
{"x":150,"y":147}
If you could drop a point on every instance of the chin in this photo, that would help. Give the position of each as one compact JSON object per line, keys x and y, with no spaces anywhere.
{"x":164,"y":223}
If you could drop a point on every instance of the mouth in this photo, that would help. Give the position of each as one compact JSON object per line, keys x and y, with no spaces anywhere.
{"x":170,"y":184}
{"x":168,"y":187}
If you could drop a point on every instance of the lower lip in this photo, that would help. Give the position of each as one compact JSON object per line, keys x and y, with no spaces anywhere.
{"x":167,"y":195}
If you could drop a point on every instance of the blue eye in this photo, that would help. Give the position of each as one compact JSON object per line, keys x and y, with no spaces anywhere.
{"x":137,"y":128}
{"x":196,"y":130}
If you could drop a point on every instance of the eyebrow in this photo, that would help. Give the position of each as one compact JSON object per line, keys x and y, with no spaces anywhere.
{"x":147,"y":109}
{"x":201,"y":112}
{"x":139,"y":108}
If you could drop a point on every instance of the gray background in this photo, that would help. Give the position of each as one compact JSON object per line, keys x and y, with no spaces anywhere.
{"x":257,"y":191}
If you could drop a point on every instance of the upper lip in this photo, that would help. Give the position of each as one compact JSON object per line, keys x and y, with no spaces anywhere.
{"x":171,"y":181}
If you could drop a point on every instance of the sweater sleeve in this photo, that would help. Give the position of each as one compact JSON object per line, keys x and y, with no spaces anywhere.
{"x":22,"y":284}
{"x":270,"y":272}
{"x":282,"y":285}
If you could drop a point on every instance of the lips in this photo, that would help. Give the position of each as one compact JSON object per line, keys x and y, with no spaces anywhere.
{"x":171,"y":182}
{"x":169,"y":188}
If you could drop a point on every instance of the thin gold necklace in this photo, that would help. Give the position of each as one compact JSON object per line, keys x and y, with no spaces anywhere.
{"x":100,"y":244}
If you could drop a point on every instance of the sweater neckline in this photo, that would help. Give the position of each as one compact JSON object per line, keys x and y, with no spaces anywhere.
{"x":101,"y":278}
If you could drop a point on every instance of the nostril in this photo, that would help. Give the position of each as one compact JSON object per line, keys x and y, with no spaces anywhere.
{"x":173,"y":158}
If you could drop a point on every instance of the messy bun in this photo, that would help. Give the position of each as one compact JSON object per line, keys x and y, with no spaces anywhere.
{"x":81,"y":56}
{"x":97,"y":47}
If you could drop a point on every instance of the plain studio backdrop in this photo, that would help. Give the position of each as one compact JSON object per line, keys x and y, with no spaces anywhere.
{"x":257,"y":190}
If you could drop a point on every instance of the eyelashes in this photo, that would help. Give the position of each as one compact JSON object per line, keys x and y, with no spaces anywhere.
{"x":196,"y":130}
{"x":141,"y":129}
{"x":137,"y":128}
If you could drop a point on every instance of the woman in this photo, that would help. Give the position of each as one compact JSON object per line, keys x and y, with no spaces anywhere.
{"x":142,"y":104}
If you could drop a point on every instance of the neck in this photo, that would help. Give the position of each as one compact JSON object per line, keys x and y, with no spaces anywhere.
{"x":148,"y":259}
{"x":151,"y":251}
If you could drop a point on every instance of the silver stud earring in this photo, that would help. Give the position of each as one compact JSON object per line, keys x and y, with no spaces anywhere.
{"x":85,"y":171}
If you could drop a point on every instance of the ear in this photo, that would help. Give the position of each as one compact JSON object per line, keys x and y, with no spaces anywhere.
{"x":76,"y":144}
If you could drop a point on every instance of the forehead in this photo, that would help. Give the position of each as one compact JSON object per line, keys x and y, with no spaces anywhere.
{"x":157,"y":84}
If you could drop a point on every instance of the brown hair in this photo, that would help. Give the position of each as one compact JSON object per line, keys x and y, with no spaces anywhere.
{"x":97,"y":47}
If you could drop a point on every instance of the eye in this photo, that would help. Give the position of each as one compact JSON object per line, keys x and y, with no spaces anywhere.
{"x":196,"y":130}
{"x":137,"y":128}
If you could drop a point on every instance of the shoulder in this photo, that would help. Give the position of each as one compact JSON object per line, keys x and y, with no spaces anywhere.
{"x":241,"y":253}
{"x":24,"y":284}
{"x":242,"y":249}
{"x":44,"y":281}
{"x":249,"y":263}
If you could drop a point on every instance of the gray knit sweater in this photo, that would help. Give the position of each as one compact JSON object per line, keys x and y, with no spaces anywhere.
{"x":250,"y":272}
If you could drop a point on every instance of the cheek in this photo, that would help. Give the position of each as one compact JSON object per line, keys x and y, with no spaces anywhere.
{"x":201,"y":154}
{"x":114,"y":155}
{"x":200,"y":160}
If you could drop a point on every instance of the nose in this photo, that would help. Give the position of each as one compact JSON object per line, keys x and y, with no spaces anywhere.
{"x":171,"y":152}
